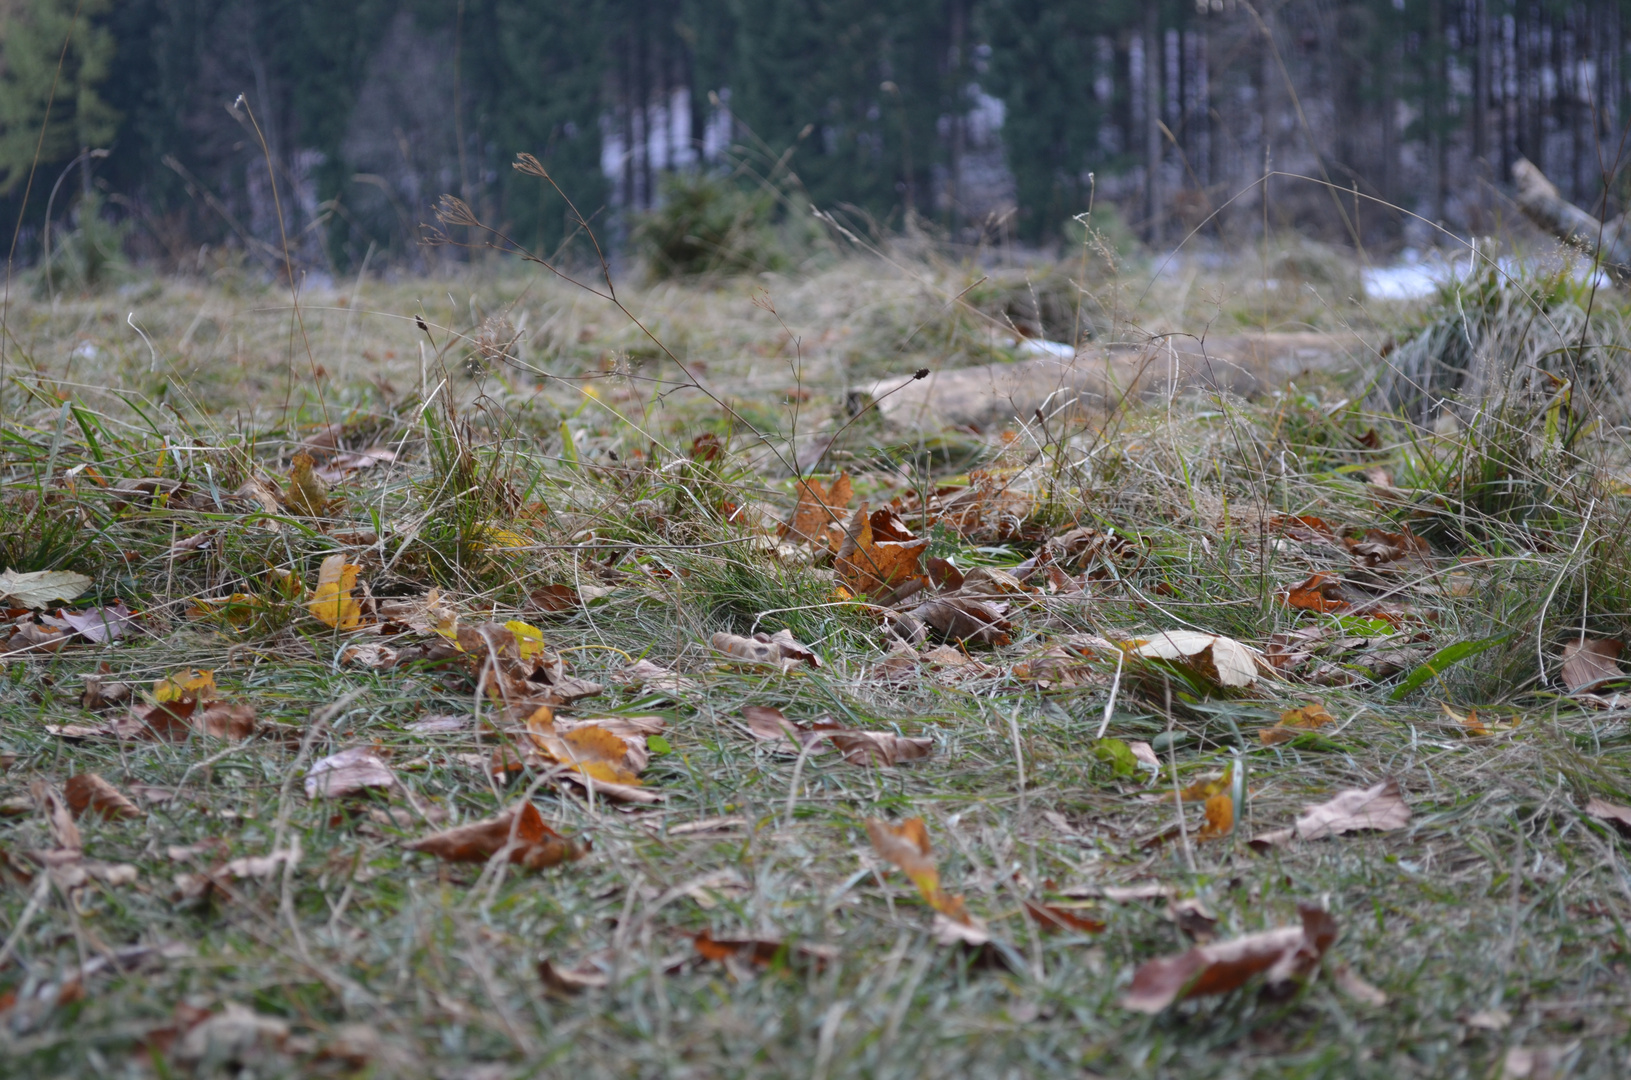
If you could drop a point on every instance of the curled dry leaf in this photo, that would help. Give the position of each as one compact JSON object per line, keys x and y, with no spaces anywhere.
{"x":103,"y":693}
{"x":657,"y":679}
{"x":1377,"y":548}
{"x":1219,"y":659}
{"x":347,"y":773}
{"x":1220,"y":817}
{"x":175,"y":721}
{"x":907,"y":846}
{"x":1589,"y":662}
{"x":778,"y":649}
{"x":818,"y":508}
{"x":89,"y":792}
{"x":332,"y":603}
{"x":520,"y":832}
{"x":965,"y":619}
{"x":38,"y":588}
{"x":514,"y":666}
{"x":1294,"y":722}
{"x":1286,"y":954}
{"x":246,"y":868}
{"x":1380,"y":807}
{"x":306,"y":493}
{"x":1354,"y":986}
{"x":1321,"y":593}
{"x":64,"y":832}
{"x":566,"y":982}
{"x":858,"y":747}
{"x":1051,"y":918}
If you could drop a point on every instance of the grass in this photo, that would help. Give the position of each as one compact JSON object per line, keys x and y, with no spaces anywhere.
{"x":1497,"y":919}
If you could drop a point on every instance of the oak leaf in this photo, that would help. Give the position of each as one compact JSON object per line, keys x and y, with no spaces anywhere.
{"x":1321,"y":593}
{"x":879,"y":557}
{"x":817,"y":508}
{"x":778,"y":650}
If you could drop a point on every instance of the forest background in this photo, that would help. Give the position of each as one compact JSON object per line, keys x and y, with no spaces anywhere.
{"x":987,"y":118}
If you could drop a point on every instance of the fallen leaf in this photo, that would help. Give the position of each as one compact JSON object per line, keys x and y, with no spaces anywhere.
{"x":520,"y":832}
{"x":657,"y":679}
{"x":236,"y":1033}
{"x":101,"y":624}
{"x":1612,"y":813}
{"x":1350,"y":983}
{"x":760,"y":952}
{"x":776,"y":650}
{"x":522,"y":684}
{"x":347,"y":773}
{"x":1590,"y":662}
{"x":1474,"y":727}
{"x":306,"y":493}
{"x":1539,"y":1062}
{"x":869,"y":563}
{"x":1144,"y":754}
{"x":189,"y":685}
{"x":569,"y":981}
{"x":58,"y":815}
{"x":332,"y":603}
{"x":1377,"y":548}
{"x":1489,"y":1020}
{"x":965,"y":619}
{"x":89,"y":792}
{"x":817,"y":507}
{"x":1052,"y":917}
{"x":1380,"y":807}
{"x":38,"y":588}
{"x":222,"y":720}
{"x":1222,"y":660}
{"x":907,"y":846}
{"x":1294,"y":722}
{"x":858,"y":747}
{"x":1285,"y":954}
{"x":529,"y":640}
{"x":1321,"y":593}
{"x":1220,"y":817}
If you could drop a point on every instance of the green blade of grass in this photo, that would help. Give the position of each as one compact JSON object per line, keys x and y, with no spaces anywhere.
{"x":1443,"y":658}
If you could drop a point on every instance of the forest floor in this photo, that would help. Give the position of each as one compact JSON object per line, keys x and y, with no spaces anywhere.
{"x":481,"y":534}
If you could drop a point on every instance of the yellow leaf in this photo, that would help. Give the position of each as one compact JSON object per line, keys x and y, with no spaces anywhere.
{"x":198,"y":685}
{"x":1292,"y":721}
{"x":529,"y":640}
{"x":493,"y":537}
{"x":907,"y":846}
{"x":305,"y":493}
{"x":1220,"y":818}
{"x":332,"y":603}
{"x":1475,"y":727}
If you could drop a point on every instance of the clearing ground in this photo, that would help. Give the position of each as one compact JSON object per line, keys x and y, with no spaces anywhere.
{"x":382,"y":696}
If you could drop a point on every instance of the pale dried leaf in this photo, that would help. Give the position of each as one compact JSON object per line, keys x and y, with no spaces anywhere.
{"x":38,"y":588}
{"x":101,"y":624}
{"x":347,"y":773}
{"x":1612,"y":813}
{"x":1223,"y":660}
{"x":1590,"y":662}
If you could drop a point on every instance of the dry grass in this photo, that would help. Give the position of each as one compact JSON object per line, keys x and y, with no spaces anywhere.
{"x":1496,"y":920}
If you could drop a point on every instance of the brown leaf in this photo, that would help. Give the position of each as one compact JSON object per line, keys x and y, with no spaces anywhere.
{"x":1380,"y":807}
{"x":879,"y":558}
{"x":57,"y":814}
{"x":103,"y":694}
{"x":761,"y":952}
{"x":347,"y":773}
{"x":1590,"y":662}
{"x":770,"y":725}
{"x":88,"y":791}
{"x":222,"y":720}
{"x":816,"y":509}
{"x":569,"y":981}
{"x":1321,"y":593}
{"x":858,"y":747}
{"x":523,"y":674}
{"x":306,"y":493}
{"x":1051,"y":917}
{"x":520,"y":831}
{"x":965,"y":619}
{"x":1612,"y":813}
{"x":1378,"y":548}
{"x":1285,"y":954}
{"x":657,"y":679}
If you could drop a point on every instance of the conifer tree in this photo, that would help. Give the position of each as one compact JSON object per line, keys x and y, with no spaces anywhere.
{"x":32,"y":37}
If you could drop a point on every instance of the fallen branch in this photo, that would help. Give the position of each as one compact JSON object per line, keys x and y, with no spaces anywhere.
{"x":1540,"y":200}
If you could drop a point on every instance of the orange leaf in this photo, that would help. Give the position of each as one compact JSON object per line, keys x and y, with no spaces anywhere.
{"x":1307,"y":718}
{"x":1220,"y":818}
{"x":1321,"y":592}
{"x":1590,"y":662}
{"x":879,"y":556}
{"x":817,"y":507}
{"x":907,"y":846}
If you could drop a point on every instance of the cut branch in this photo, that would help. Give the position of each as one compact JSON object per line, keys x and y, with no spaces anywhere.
{"x":1539,"y":198}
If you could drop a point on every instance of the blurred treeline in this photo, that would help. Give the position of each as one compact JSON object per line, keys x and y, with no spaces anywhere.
{"x":985,"y":119}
